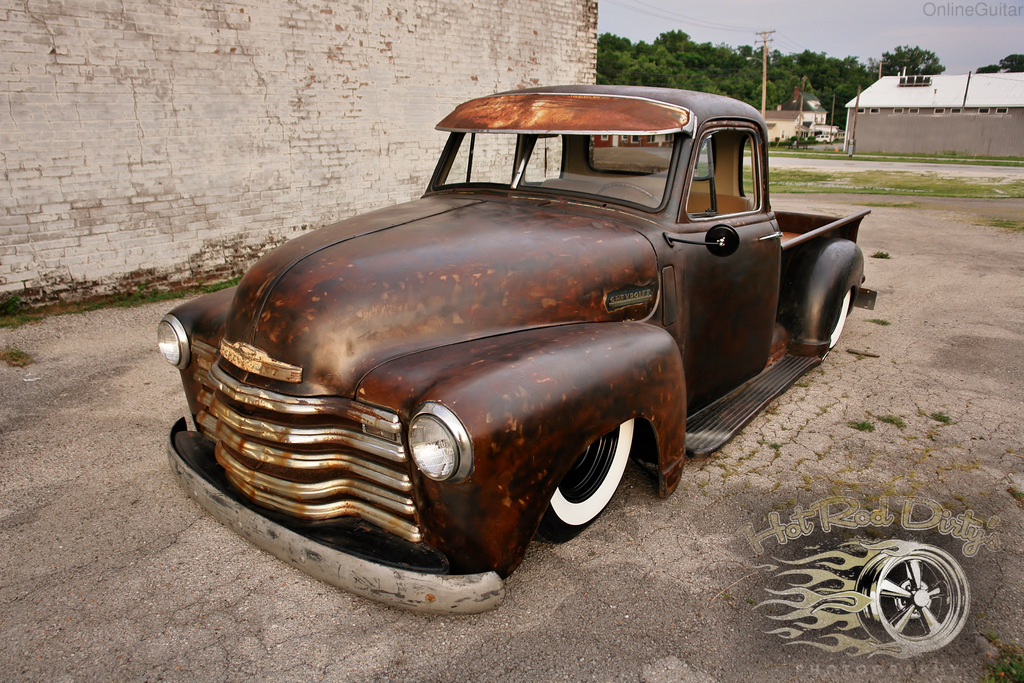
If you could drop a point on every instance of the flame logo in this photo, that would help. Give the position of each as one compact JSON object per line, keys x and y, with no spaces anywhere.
{"x":898,"y":598}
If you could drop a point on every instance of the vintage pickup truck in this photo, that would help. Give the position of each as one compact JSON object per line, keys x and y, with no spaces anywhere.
{"x":400,"y":402}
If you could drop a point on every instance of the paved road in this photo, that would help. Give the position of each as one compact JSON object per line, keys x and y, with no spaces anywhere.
{"x":109,"y":572}
{"x":947,"y":170}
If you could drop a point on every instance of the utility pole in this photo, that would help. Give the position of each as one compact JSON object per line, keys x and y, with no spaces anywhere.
{"x":803,"y":85}
{"x":764,"y":68}
{"x":851,"y":140}
{"x":880,"y":70}
{"x":832,"y":116}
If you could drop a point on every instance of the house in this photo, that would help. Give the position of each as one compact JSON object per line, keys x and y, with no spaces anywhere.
{"x":809,"y":116}
{"x":973,"y":114}
{"x":783,"y":124}
{"x":809,"y":106}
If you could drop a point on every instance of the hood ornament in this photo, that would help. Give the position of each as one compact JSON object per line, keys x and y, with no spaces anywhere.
{"x":257,"y":361}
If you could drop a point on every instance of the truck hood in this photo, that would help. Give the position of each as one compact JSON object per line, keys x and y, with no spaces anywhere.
{"x":335,"y":303}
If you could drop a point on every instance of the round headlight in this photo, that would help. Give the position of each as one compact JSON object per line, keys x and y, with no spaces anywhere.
{"x":173,"y":342}
{"x":440,"y":444}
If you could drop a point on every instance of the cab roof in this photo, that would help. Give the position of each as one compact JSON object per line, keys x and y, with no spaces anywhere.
{"x":592,"y":110}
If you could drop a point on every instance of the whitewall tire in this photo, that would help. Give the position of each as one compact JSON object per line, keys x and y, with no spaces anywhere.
{"x":588,"y":486}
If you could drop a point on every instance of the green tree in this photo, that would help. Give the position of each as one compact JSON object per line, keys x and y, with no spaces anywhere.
{"x":1013,"y":64}
{"x":675,"y":60}
{"x":1008,"y":64}
{"x":614,"y":58}
{"x":916,"y":61}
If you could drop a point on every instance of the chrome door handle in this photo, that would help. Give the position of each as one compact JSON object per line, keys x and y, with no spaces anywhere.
{"x":769,"y":237}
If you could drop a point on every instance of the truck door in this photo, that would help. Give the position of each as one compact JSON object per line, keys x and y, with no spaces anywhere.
{"x":728,"y":304}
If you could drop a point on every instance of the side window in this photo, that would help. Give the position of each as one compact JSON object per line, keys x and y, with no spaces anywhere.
{"x":726,"y":175}
{"x":748,"y":169}
{"x":702,"y":171}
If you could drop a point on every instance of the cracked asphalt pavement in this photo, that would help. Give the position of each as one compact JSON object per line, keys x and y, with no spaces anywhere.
{"x":109,"y":572}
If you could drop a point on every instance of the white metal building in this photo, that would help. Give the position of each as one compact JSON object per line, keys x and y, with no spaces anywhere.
{"x":974,"y":114}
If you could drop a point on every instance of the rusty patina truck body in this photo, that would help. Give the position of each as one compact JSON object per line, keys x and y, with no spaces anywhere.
{"x":400,"y":402}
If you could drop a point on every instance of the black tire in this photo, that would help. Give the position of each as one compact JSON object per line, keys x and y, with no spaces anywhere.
{"x":588,"y":486}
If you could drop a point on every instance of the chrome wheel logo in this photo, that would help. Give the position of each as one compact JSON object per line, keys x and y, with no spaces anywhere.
{"x":900,"y":598}
{"x":896,"y":597}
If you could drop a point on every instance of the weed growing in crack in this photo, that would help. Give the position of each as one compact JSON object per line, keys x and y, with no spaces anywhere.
{"x":894,"y":420}
{"x":1009,"y":664}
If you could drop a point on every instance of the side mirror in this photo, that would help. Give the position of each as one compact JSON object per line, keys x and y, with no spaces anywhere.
{"x":721,"y":240}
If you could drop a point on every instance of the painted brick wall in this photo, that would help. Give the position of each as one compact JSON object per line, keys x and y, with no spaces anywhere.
{"x":176,"y":140}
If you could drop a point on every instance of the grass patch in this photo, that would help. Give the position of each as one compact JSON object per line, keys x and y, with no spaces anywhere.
{"x":894,"y":205}
{"x":1009,"y":665}
{"x":894,"y":420}
{"x":892,"y":183}
{"x":941,"y":417}
{"x":880,"y":321}
{"x":880,"y":254}
{"x":16,"y":358}
{"x":862,"y":426}
{"x":14,"y":315}
{"x":944,"y":158}
{"x":1012,"y":226}
{"x":1017,"y":494}
{"x":10,"y":305}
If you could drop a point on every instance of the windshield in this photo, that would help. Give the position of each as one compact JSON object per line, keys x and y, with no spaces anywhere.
{"x":629,"y":169}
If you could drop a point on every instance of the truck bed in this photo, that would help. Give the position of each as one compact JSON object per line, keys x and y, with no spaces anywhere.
{"x":798,"y":228}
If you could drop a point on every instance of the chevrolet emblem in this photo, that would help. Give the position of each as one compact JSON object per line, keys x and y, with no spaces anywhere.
{"x":257,"y":361}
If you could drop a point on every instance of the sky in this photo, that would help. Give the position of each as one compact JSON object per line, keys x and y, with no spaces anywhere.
{"x":963,"y":34}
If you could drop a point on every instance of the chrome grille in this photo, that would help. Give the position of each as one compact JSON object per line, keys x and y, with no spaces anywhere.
{"x":313,"y":458}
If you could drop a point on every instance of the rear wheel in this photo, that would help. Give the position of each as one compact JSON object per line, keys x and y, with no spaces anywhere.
{"x":837,"y":330}
{"x":588,"y":486}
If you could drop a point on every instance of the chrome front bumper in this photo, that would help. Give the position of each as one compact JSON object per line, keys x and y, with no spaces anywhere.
{"x":422,"y":592}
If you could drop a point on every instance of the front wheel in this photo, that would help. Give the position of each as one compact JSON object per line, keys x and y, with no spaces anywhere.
{"x":588,"y":486}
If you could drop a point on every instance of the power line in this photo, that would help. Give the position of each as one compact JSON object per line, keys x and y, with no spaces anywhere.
{"x":787,"y":39}
{"x":659,"y":13}
{"x":647,"y":8}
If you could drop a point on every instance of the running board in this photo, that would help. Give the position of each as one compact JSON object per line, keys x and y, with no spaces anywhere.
{"x":712,"y":427}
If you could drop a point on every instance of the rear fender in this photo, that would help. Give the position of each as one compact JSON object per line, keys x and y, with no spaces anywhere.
{"x":819,"y":274}
{"x":531,"y":402}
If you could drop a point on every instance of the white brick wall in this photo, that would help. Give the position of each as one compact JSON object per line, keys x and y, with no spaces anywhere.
{"x":175,"y":140}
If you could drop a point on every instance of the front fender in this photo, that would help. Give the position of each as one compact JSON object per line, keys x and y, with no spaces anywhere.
{"x":531,"y":402}
{"x":817,"y":278}
{"x":203,"y":321}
